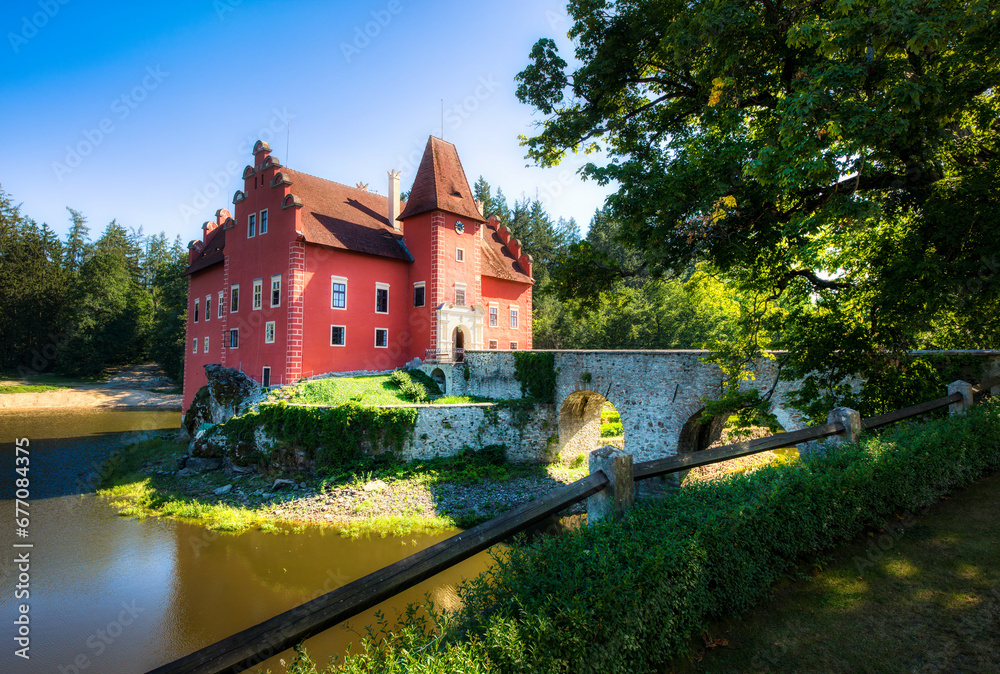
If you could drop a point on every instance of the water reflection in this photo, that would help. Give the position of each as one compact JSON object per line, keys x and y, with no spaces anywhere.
{"x":112,"y":594}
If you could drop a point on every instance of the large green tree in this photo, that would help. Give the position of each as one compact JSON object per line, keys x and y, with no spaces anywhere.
{"x":838,"y":160}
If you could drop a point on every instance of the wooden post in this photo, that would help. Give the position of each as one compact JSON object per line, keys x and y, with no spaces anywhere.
{"x":965,"y":389}
{"x":851,"y":419}
{"x":619,"y":495}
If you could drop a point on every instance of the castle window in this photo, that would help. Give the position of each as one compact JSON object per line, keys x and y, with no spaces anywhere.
{"x":222,"y":297}
{"x":513,"y":317}
{"x":263,"y":221}
{"x":513,"y":346}
{"x":460,"y":294}
{"x":206,"y":345}
{"x":234,"y":338}
{"x":194,"y":346}
{"x":252,"y":226}
{"x":269,"y":332}
{"x":381,"y":298}
{"x":196,"y":305}
{"x":493,"y":344}
{"x":381,"y":338}
{"x":265,"y":377}
{"x":276,"y":291}
{"x":234,"y":298}
{"x":338,"y":292}
{"x":460,"y":254}
{"x":258,"y":290}
{"x":338,"y":335}
{"x":494,"y":315}
{"x":419,"y":291}
{"x":208,"y":307}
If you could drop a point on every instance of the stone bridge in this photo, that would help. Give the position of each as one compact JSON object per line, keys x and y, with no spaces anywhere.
{"x":659,"y":394}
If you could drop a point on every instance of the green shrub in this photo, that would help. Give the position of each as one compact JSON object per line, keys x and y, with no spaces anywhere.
{"x":630,"y":595}
{"x":421,"y":377}
{"x":612,"y":430}
{"x":398,"y":378}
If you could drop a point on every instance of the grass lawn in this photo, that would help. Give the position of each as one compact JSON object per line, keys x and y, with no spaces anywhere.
{"x":373,"y":390}
{"x":923,"y":595}
{"x":10,"y":387}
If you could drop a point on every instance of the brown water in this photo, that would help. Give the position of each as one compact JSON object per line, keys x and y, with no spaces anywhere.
{"x":114,"y":594}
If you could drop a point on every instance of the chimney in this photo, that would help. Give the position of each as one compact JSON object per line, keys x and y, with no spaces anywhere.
{"x":526,"y":262}
{"x":221,"y":216}
{"x":479,"y":206}
{"x":394,"y":199}
{"x":209,"y":227}
{"x":194,"y":250}
{"x":504,"y":234}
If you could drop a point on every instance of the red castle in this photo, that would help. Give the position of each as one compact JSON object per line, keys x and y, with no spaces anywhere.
{"x":310,"y":276}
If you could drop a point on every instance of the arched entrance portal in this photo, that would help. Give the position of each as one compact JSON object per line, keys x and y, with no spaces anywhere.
{"x":458,"y":344}
{"x":587,"y":421}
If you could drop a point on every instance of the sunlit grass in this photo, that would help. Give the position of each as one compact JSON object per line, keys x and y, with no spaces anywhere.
{"x":6,"y":388}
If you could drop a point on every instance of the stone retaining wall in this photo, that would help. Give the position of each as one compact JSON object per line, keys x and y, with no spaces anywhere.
{"x":445,"y":430}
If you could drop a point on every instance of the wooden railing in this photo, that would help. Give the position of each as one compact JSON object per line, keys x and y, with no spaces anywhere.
{"x":256,"y":644}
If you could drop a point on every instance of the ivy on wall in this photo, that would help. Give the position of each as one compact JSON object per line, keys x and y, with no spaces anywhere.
{"x":328,"y":435}
{"x":537,"y":374}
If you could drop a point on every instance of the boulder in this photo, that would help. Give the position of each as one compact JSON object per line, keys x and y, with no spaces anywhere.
{"x":227,"y":393}
{"x":185,"y":472}
{"x":223,"y":490}
{"x":199,"y":465}
{"x":282,"y":483}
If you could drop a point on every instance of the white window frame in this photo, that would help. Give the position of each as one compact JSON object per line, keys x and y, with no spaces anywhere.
{"x":385,"y":287}
{"x":515,"y":315}
{"x":194,"y":345}
{"x":460,"y":254}
{"x":513,"y":346}
{"x":252,"y":226}
{"x":342,"y":280}
{"x":465,"y":297}
{"x":343,"y":334}
{"x":234,"y":298}
{"x":266,"y":369}
{"x":276,"y":278}
{"x":258,"y":294}
{"x":234,"y":332}
{"x":269,"y":330}
{"x":197,"y":306}
{"x":419,"y":284}
{"x":208,"y":307}
{"x":222,"y":303}
{"x":386,"y":331}
{"x":206,"y":345}
{"x":494,"y":314}
{"x":494,"y":344}
{"x":263,"y":221}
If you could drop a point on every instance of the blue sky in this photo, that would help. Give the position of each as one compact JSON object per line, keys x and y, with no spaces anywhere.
{"x":146,"y":112}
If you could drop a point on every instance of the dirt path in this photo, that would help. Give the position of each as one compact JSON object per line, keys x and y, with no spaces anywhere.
{"x":126,"y":388}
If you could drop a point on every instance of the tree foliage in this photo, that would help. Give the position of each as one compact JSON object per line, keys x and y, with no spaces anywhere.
{"x":81,"y":306}
{"x":837,"y":161}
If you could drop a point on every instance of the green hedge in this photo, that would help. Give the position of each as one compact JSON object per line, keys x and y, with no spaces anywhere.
{"x":629,"y":596}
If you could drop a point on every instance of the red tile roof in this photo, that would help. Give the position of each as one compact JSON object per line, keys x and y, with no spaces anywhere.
{"x":440,"y":184}
{"x":212,"y":253}
{"x":497,"y":260}
{"x":345,"y":217}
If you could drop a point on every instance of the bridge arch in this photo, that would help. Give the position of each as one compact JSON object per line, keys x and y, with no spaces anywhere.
{"x":580,"y":423}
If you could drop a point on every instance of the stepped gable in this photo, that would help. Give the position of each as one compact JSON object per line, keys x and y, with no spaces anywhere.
{"x":498,"y":261}
{"x":348,"y":218}
{"x":212,"y":254}
{"x":440,"y":184}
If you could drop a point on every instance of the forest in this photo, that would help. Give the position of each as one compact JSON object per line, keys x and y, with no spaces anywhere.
{"x":77,"y":306}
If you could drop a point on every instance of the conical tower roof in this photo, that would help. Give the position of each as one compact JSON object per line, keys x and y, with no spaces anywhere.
{"x":440,"y":184}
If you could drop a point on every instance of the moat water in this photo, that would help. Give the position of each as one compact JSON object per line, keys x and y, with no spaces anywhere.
{"x":116,"y":594}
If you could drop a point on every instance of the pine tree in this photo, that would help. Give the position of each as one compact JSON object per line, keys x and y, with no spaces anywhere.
{"x":77,"y":241}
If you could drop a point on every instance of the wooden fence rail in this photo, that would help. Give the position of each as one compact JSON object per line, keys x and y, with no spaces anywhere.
{"x":256,"y":644}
